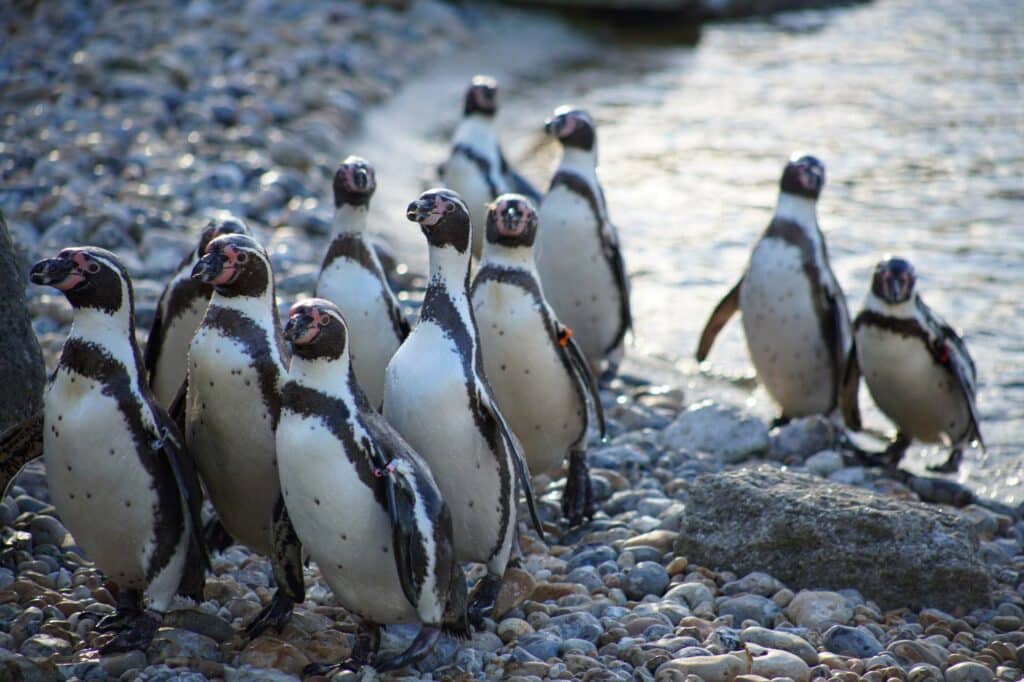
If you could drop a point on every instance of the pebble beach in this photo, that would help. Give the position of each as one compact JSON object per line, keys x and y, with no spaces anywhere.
{"x":722,"y":549}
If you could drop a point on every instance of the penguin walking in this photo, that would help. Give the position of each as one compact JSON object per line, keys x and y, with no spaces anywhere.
{"x":916,"y":367}
{"x":117,"y":469}
{"x":231,"y":406}
{"x":578,"y":254}
{"x":361,"y":499}
{"x":178,"y":313}
{"x":540,"y":377}
{"x":437,"y":397}
{"x":352,"y":278}
{"x":476,"y":169}
{"x":794,"y":312}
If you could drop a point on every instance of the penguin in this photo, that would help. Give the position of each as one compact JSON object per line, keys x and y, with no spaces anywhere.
{"x":437,"y":397}
{"x":794,"y":312}
{"x":578,"y":253}
{"x":538,"y":373}
{"x":231,"y":407}
{"x":352,"y":278}
{"x":362,"y":500}
{"x":117,"y":469}
{"x":916,"y":367}
{"x":178,"y":314}
{"x":476,"y":169}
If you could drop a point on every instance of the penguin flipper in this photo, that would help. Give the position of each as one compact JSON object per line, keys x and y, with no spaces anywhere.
{"x":516,"y":182}
{"x":20,"y":444}
{"x":172,"y":445}
{"x":176,"y":410}
{"x":848,"y":394}
{"x":725,"y":309}
{"x":155,"y":340}
{"x":581,"y":372}
{"x":508,"y":441}
{"x":401,"y":497}
{"x":613,"y":254}
{"x":836,"y":327}
{"x":950,"y":351}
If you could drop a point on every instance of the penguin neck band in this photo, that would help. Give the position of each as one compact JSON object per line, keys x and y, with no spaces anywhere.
{"x":349,"y":218}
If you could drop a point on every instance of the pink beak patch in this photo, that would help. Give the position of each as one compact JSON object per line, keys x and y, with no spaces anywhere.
{"x":437,"y":213}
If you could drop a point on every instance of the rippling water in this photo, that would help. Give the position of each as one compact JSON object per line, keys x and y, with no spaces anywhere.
{"x":915,"y":106}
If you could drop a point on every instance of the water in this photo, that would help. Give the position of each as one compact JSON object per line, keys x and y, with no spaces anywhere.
{"x":915,"y":106}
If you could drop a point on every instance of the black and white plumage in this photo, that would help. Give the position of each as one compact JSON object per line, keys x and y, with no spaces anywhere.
{"x":178,"y":313}
{"x":352,"y":278}
{"x":579,"y":257}
{"x":476,"y":169}
{"x":117,"y":469}
{"x":539,"y":375}
{"x":232,"y":403}
{"x":794,"y":312}
{"x":436,"y":395}
{"x":916,"y":367}
{"x":361,"y":499}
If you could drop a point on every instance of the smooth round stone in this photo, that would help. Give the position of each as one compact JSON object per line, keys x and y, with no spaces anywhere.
{"x":541,"y":645}
{"x":645,"y":578}
{"x":924,"y":672}
{"x":778,"y":639}
{"x":746,"y":607}
{"x":513,"y":628}
{"x":587,"y":576}
{"x":849,"y":641}
{"x":720,"y":667}
{"x":579,"y":625}
{"x":773,"y":663}
{"x":579,"y":645}
{"x":644,"y":553}
{"x":691,"y":594}
{"x":592,"y":555}
{"x":969,"y":671}
{"x":755,"y":583}
{"x":819,"y":609}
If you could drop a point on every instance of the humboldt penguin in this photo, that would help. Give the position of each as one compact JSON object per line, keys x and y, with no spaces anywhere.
{"x":352,"y":278}
{"x":232,"y":403}
{"x":916,"y":367}
{"x":476,"y":169}
{"x":117,"y":469}
{"x":539,"y":375}
{"x":178,"y":314}
{"x":578,"y":253}
{"x":437,"y":397}
{"x":793,"y":310}
{"x":361,"y":499}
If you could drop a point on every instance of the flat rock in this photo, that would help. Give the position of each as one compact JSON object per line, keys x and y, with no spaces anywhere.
{"x":778,"y":639}
{"x":720,"y":430}
{"x":517,"y":585}
{"x":723,"y":667}
{"x":853,"y":642}
{"x":968,"y":671}
{"x":772,"y":663}
{"x":814,"y":533}
{"x":819,"y":609}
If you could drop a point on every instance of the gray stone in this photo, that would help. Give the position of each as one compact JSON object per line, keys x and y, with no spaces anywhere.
{"x":212,"y":626}
{"x":46,"y":530}
{"x":44,"y":646}
{"x":824,"y":463}
{"x":645,"y":578}
{"x":173,"y":643}
{"x":968,"y":671}
{"x":580,"y":625}
{"x":801,"y":438}
{"x":848,"y":641}
{"x":754,"y":583}
{"x":247,"y":673}
{"x":542,"y":645}
{"x":819,"y":609}
{"x":118,"y":664}
{"x":749,"y":607}
{"x":24,"y":669}
{"x":778,"y":639}
{"x":812,"y":533}
{"x":718,"y":429}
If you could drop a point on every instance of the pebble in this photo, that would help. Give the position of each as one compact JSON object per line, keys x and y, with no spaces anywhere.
{"x":746,"y":607}
{"x":857,"y":642}
{"x":819,"y":609}
{"x":780,"y":639}
{"x":969,"y":671}
{"x":646,"y":578}
{"x":772,"y":663}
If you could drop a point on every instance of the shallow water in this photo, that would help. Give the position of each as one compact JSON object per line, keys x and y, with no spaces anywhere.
{"x":915,"y":106}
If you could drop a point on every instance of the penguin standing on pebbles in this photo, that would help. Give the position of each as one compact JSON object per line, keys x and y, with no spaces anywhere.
{"x":794,"y":312}
{"x":437,"y":397}
{"x":178,"y":314}
{"x":477,"y":169}
{"x":539,"y":375}
{"x":117,"y":469}
{"x":232,"y":405}
{"x":578,"y":254}
{"x":361,"y":499}
{"x":352,"y":278}
{"x":916,"y":367}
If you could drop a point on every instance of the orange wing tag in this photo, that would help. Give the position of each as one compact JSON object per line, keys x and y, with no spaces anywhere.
{"x":563,"y":337}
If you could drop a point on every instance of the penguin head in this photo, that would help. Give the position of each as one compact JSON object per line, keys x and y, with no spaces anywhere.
{"x":220,"y":226}
{"x":354,"y":182}
{"x":481,"y":97}
{"x":236,"y":265}
{"x":316,"y":330}
{"x":443,"y":217}
{"x":88,"y":276}
{"x":511,"y":221}
{"x":894,"y":280}
{"x":804,"y":176}
{"x":572,"y":127}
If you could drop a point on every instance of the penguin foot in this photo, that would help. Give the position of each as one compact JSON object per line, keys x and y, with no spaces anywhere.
{"x":781,"y":420}
{"x":137,"y":637}
{"x":578,"y":497}
{"x":481,"y":601}
{"x":216,"y":535}
{"x":129,"y":608}
{"x":951,"y":465}
{"x":418,"y":649}
{"x":274,"y":615}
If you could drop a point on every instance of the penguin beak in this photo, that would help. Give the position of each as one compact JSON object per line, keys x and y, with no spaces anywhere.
{"x":209,"y":268}
{"x":59,"y":272}
{"x":551,"y":127}
{"x":300,"y":329}
{"x":419,"y":210}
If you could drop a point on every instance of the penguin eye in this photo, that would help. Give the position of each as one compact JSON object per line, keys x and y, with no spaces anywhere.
{"x":324,"y":320}
{"x":241,"y":257}
{"x":448,"y":208}
{"x":92,"y":268}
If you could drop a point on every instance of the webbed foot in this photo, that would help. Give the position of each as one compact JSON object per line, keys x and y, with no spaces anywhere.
{"x":274,"y":615}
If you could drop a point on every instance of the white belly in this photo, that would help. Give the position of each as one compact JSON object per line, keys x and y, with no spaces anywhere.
{"x":426,"y":401}
{"x":464,"y":176}
{"x":576,"y":278}
{"x":230,"y":434}
{"x":346,"y":531}
{"x":534,"y":390}
{"x":783,"y":333}
{"x":173,"y":361}
{"x":920,"y":397}
{"x":364,"y":305}
{"x":99,"y":486}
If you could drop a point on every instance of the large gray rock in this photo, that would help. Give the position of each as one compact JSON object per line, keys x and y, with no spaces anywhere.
{"x":811,"y":533}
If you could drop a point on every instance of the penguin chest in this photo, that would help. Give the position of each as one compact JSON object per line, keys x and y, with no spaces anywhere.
{"x":97,"y":481}
{"x":366,"y":307}
{"x":346,"y":530}
{"x":577,"y":279}
{"x":426,"y":399}
{"x":534,"y":389}
{"x":172,"y":364}
{"x":783,"y":331}
{"x":230,"y":432}
{"x":918,"y":395}
{"x":463,"y":175}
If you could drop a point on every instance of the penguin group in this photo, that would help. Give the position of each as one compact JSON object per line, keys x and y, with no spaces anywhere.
{"x":392,"y":454}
